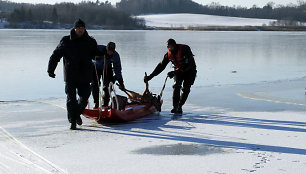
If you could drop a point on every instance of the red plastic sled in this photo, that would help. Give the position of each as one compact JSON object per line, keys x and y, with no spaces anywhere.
{"x":131,"y":112}
{"x":143,"y":105}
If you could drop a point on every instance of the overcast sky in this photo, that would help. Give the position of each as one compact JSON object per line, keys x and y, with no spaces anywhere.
{"x":244,"y":3}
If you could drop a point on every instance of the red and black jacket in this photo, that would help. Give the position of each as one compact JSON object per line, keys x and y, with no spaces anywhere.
{"x":183,"y":60}
{"x":178,"y":58}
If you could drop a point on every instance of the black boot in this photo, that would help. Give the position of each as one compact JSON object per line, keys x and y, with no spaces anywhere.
{"x":73,"y":126}
{"x":175,"y":105}
{"x":176,"y":98}
{"x":184,"y":96}
{"x":174,"y":110}
{"x":79,"y":121}
{"x":179,"y":110}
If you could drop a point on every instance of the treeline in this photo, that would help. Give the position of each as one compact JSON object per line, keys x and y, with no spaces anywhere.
{"x":104,"y":14}
{"x":6,"y":7}
{"x":95,"y":14}
{"x":137,"y":7}
{"x":269,"y":11}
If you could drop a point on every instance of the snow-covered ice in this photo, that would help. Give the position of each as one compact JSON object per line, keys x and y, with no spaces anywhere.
{"x":225,"y":131}
{"x":199,"y":20}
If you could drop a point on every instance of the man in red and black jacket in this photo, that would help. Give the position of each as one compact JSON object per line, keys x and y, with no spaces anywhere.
{"x":184,"y":73}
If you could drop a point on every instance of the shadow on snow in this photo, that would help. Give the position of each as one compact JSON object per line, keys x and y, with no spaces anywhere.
{"x":158,"y":123}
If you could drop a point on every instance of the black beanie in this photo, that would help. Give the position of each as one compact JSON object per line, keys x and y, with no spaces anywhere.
{"x":111,"y":46}
{"x":171,"y":42}
{"x":79,"y":23}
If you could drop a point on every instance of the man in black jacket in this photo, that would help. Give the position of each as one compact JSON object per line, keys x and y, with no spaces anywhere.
{"x":184,"y":72}
{"x":78,"y":50}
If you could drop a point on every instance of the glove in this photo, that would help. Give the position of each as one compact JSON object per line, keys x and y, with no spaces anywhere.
{"x":147,"y":78}
{"x":52,"y":75}
{"x":122,"y":87}
{"x":121,"y":84}
{"x":171,"y":74}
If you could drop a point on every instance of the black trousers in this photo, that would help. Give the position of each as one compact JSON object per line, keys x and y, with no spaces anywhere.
{"x":75,"y":107}
{"x":95,"y":86}
{"x":182,"y":81}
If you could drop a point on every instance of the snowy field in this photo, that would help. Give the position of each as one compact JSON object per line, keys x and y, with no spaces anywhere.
{"x":199,"y":20}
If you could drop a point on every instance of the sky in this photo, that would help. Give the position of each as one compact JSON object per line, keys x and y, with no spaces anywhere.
{"x":243,"y":3}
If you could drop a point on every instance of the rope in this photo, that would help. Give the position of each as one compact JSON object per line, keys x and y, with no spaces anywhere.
{"x":103,"y":76}
{"x":98,"y":81}
{"x":100,"y":93}
{"x":110,"y":90}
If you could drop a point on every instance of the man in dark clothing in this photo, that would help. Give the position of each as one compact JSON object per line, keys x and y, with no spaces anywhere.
{"x":78,"y":50}
{"x":184,"y":72}
{"x":106,"y":66}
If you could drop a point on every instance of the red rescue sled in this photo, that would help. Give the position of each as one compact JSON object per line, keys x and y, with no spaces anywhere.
{"x":141,"y":106}
{"x":131,"y":112}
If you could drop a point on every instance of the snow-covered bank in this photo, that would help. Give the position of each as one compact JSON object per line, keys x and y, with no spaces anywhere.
{"x":2,"y":24}
{"x":220,"y":132}
{"x":199,"y":20}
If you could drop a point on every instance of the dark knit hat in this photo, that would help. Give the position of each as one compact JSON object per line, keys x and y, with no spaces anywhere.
{"x":171,"y":42}
{"x":79,"y":23}
{"x":111,"y":46}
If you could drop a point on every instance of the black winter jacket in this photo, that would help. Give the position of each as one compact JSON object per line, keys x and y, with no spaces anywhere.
{"x":78,"y":54}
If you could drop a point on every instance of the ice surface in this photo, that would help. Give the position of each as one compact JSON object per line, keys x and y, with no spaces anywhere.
{"x":250,"y":121}
{"x":220,"y":132}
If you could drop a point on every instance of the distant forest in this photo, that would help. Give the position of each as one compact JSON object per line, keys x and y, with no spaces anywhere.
{"x":103,"y":14}
{"x":95,"y":14}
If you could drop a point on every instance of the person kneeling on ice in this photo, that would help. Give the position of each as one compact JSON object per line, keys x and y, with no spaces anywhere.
{"x":184,"y":72}
{"x":106,"y":66}
{"x":78,"y":50}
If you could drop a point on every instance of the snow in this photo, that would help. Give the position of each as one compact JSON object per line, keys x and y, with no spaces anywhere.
{"x":199,"y":20}
{"x":233,"y":129}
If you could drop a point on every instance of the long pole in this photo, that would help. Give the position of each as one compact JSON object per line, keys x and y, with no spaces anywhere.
{"x":161,"y":92}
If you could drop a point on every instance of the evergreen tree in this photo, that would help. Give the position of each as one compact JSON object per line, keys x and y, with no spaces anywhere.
{"x":54,"y":18}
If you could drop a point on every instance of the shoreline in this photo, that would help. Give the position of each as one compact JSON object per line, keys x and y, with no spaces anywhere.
{"x":201,"y":28}
{"x":236,"y":28}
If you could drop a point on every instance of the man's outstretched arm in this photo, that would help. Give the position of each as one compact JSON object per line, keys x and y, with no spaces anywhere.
{"x":56,"y":56}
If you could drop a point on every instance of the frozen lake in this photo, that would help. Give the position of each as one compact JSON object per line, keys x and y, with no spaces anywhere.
{"x":256,"y":56}
{"x":255,"y":117}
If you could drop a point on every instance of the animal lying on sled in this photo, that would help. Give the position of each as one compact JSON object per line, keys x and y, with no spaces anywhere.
{"x":140,"y":105}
